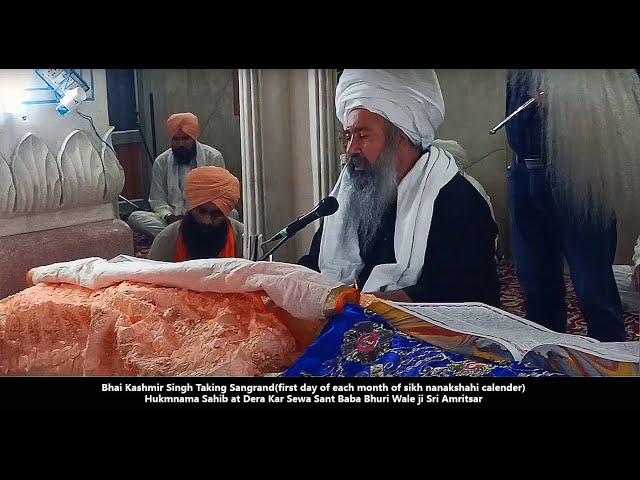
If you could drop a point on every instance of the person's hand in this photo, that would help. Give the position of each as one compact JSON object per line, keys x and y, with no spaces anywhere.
{"x":636,"y":277}
{"x":172,"y":218}
{"x":394,"y":296}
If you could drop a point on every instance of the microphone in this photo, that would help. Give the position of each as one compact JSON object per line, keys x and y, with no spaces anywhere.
{"x":327,"y":206}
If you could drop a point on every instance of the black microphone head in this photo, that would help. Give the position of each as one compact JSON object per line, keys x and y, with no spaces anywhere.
{"x":327,"y":206}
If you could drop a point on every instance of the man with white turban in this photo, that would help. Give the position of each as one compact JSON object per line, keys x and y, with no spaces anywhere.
{"x":576,"y":161}
{"x":409,"y":227}
{"x":166,"y":195}
{"x":206,"y":230}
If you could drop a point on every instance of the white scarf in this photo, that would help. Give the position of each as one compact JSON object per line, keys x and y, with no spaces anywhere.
{"x":340,"y":250}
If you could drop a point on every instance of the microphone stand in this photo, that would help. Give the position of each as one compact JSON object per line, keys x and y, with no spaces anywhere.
{"x":282,"y":235}
{"x":327,"y":206}
{"x":517,"y":111}
{"x":277,"y":245}
{"x":274,"y":248}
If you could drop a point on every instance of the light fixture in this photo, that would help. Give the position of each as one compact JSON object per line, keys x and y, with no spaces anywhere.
{"x":71,"y":100}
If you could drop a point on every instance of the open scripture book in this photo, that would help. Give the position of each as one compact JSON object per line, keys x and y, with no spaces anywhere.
{"x":489,"y":333}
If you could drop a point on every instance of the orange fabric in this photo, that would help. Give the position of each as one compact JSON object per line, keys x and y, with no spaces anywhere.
{"x":347,"y":297}
{"x":212,"y":185}
{"x":187,"y":122}
{"x":134,"y":329}
{"x":229,"y":250}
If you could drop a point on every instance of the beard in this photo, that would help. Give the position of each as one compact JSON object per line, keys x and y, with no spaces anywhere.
{"x":202,"y":240}
{"x":184,"y":155}
{"x":592,"y":124}
{"x":371,"y":193}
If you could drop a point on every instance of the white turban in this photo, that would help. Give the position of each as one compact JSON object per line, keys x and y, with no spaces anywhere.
{"x":410,"y":99}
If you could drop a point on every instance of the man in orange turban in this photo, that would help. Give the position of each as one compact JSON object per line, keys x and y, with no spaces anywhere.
{"x":170,"y":169}
{"x":207,"y":230}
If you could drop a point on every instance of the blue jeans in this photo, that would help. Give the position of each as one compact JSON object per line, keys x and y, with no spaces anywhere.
{"x":542,"y":236}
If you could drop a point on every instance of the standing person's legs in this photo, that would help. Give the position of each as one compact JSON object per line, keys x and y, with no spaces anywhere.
{"x":537,"y":246}
{"x":590,"y":248}
{"x":149,"y":223}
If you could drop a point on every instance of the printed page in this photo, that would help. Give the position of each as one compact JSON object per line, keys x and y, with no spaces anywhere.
{"x":515,"y":333}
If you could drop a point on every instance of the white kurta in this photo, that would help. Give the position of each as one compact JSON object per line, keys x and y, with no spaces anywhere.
{"x":166,"y":195}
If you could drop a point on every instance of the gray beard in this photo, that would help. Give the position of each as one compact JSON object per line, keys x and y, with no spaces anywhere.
{"x":370,"y":194}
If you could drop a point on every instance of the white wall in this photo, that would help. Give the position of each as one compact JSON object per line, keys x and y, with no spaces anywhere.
{"x":277,"y":158}
{"x":44,"y":121}
{"x":474,"y":102}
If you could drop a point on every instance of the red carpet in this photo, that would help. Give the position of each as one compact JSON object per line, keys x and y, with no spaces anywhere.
{"x":513,"y":302}
{"x":141,"y":244}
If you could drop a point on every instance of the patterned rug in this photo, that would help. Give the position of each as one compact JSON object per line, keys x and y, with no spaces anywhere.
{"x":141,"y":244}
{"x":510,"y":296}
{"x":513,"y":302}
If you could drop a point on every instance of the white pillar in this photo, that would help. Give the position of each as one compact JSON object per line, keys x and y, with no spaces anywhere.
{"x":251,"y":146}
{"x":325,"y":161}
{"x":289,"y":156}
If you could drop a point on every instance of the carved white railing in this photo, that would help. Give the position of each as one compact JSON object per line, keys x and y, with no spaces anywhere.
{"x":39,"y":190}
{"x":82,"y":171}
{"x":7,"y":189}
{"x":36,"y":177}
{"x":113,"y":171}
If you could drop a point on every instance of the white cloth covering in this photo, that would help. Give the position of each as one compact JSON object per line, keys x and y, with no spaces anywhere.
{"x":298,"y":290}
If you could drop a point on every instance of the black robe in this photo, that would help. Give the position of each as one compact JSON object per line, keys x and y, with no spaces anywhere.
{"x":460,"y":263}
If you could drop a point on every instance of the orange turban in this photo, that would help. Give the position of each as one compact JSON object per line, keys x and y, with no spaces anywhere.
{"x":187,"y":122}
{"x":212,"y":184}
